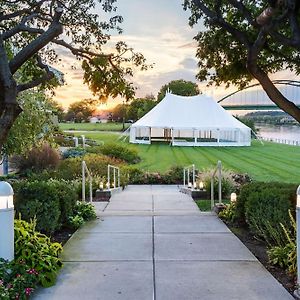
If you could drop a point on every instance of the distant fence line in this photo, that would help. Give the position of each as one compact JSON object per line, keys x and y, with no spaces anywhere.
{"x":281,"y":141}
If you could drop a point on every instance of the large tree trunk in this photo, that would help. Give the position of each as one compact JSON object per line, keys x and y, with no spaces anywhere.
{"x":273,"y":93}
{"x":9,"y":110}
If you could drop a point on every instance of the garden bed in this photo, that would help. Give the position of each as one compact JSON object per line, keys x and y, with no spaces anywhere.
{"x":63,"y":235}
{"x":259,"y":250}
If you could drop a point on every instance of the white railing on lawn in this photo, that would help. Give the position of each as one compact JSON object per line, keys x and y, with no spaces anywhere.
{"x":281,"y":141}
{"x":218,"y":170}
{"x":187,"y":171}
{"x":86,"y":171}
{"x":116,"y":176}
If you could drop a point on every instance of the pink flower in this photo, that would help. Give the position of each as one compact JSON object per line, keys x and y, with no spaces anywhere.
{"x":28,"y":291}
{"x":18,"y":275}
{"x":32,"y":271}
{"x":1,"y":282}
{"x":9,"y":286}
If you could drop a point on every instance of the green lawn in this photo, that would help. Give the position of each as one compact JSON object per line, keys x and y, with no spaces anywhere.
{"x":93,"y":127}
{"x":268,"y":162}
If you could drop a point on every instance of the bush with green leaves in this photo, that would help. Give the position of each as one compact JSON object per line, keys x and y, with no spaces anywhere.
{"x":286,"y":255}
{"x":37,"y":251}
{"x":17,"y":280}
{"x":229,"y":213}
{"x":258,"y":187}
{"x":51,"y":202}
{"x":83,"y":212}
{"x":118,"y":151}
{"x":266,"y":208}
{"x":70,"y":168}
{"x":38,"y":199}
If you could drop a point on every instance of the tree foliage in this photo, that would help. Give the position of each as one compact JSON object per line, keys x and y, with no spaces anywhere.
{"x":179,"y":87}
{"x":81,"y":111}
{"x":31,"y":35}
{"x":34,"y":125}
{"x":245,"y":40}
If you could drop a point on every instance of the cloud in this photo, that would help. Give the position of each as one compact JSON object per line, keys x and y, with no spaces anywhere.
{"x":189,"y":63}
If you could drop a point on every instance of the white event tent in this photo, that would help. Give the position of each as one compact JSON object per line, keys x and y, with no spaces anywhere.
{"x":190,"y":121}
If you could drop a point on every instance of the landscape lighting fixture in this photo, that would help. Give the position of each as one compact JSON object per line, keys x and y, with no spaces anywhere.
{"x":201,"y":186}
{"x":233,"y":197}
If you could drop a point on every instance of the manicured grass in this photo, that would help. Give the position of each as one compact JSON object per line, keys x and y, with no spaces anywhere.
{"x":268,"y":162}
{"x":205,"y":205}
{"x":93,"y":127}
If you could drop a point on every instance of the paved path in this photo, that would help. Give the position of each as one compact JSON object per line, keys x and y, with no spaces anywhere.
{"x":152,"y":243}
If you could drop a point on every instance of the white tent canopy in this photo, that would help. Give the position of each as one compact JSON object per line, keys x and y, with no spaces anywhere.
{"x":190,"y":121}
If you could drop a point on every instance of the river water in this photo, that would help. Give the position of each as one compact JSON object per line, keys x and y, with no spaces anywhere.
{"x":288,"y":132}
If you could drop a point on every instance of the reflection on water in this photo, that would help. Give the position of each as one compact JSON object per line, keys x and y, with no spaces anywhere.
{"x":288,"y":132}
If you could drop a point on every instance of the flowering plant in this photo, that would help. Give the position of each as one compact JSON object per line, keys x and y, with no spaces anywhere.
{"x":17,"y":280}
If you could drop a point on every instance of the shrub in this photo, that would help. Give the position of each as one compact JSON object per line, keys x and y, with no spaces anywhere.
{"x":17,"y":280}
{"x":51,"y":202}
{"x":70,"y":168}
{"x":38,"y":159}
{"x":285,"y":256}
{"x":118,"y":151}
{"x":229,"y":213}
{"x":38,"y":199}
{"x":83,"y":212}
{"x":258,"y":187}
{"x":266,"y":208}
{"x":227,"y":182}
{"x":174,"y":175}
{"x":37,"y":251}
{"x":75,"y":221}
{"x":74,"y":152}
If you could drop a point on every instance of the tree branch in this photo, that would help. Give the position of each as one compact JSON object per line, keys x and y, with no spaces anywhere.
{"x":54,"y":30}
{"x":239,"y":35}
{"x":48,"y":75}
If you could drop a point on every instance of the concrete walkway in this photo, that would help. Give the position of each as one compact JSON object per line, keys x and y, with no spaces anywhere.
{"x":152,"y":243}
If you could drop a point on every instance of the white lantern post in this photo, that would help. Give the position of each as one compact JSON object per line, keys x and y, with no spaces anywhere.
{"x":6,"y":221}
{"x":297,"y":291}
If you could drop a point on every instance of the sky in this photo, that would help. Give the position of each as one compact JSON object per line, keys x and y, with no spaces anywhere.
{"x":159,"y":29}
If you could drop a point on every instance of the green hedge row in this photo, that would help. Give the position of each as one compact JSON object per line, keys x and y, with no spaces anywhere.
{"x":264,"y":207}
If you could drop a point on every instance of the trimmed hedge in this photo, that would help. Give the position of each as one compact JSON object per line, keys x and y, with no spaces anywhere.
{"x":263,"y":206}
{"x":51,"y":202}
{"x":117,"y":151}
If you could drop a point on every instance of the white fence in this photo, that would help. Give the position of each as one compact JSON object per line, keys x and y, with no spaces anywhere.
{"x":281,"y":141}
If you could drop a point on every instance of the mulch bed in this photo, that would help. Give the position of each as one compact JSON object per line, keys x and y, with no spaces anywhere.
{"x":259,"y":250}
{"x":62,"y":235}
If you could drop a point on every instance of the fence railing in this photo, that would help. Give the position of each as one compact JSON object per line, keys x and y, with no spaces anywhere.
{"x":115,"y":171}
{"x":86,"y":171}
{"x":281,"y":141}
{"x":187,"y":171}
{"x":218,"y":171}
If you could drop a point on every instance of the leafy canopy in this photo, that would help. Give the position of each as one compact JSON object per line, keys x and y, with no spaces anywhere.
{"x":231,"y":32}
{"x":179,"y":87}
